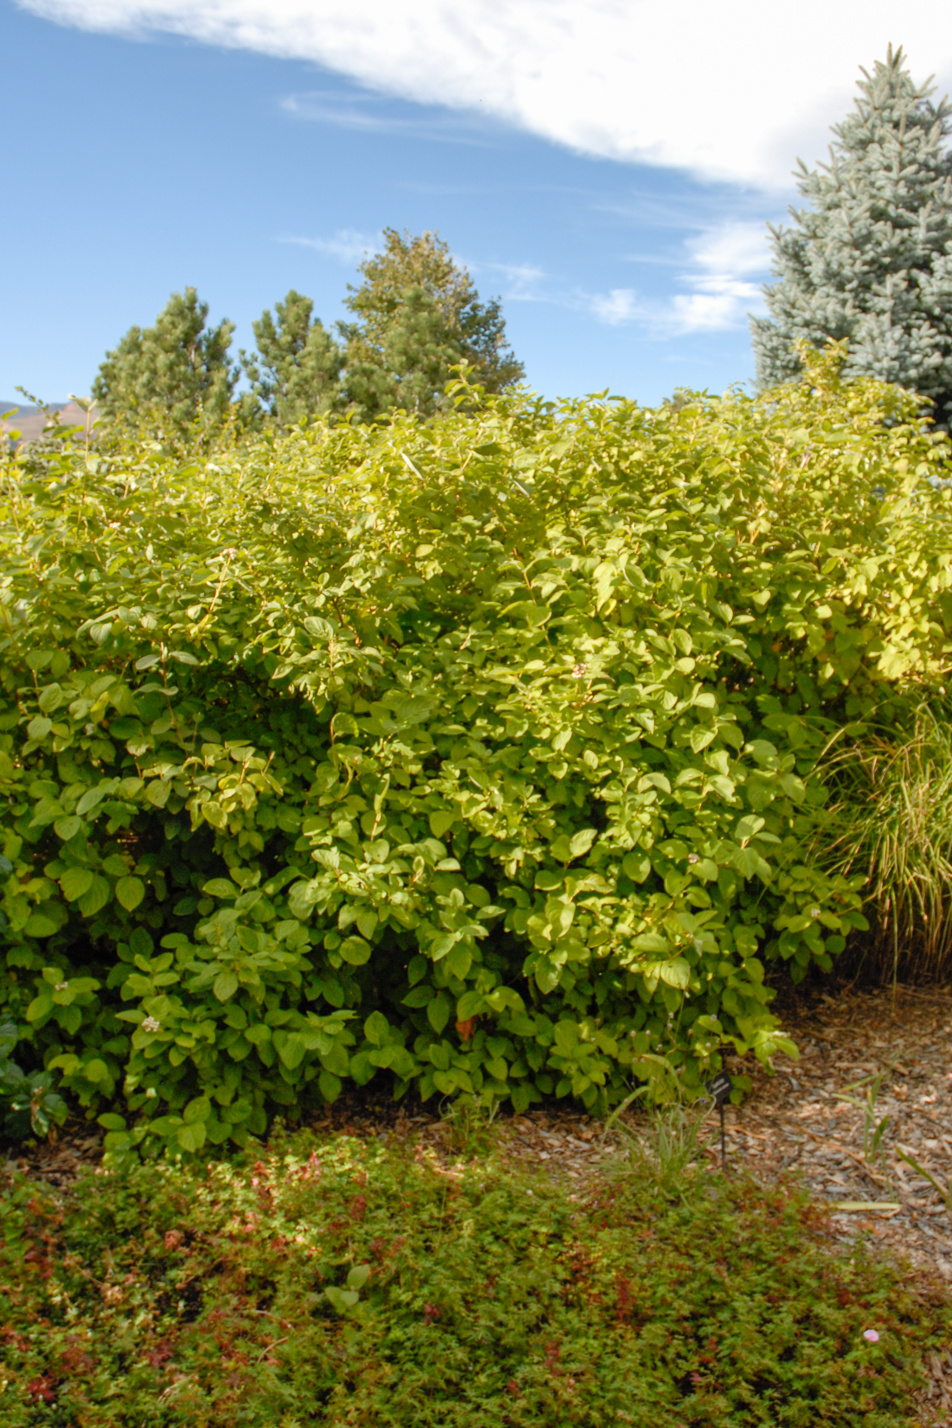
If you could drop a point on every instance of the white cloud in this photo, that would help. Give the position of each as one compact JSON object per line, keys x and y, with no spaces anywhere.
{"x":619,"y":306}
{"x":719,"y":303}
{"x":729,"y":91}
{"x":733,"y":248}
{"x":720,"y":264}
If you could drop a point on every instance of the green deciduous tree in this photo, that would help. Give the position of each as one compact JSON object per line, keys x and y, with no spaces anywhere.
{"x":295,"y":372}
{"x":175,"y":378}
{"x":417,"y":315}
{"x":870,"y":259}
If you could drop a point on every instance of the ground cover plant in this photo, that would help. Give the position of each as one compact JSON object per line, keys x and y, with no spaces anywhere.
{"x":324,"y":1280}
{"x":476,"y":754}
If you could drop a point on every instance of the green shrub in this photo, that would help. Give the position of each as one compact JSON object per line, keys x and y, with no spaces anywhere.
{"x":477,"y":753}
{"x":328,"y":1282}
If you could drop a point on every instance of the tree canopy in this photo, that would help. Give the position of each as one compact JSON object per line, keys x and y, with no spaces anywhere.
{"x":174,"y":377}
{"x":870,"y":258}
{"x":417,"y":315}
{"x":295,"y":372}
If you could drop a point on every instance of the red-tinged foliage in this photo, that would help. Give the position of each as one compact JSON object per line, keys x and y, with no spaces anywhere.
{"x":486,"y":1298}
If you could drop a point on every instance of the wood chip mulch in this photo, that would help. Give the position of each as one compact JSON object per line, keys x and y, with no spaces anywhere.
{"x":814,"y":1119}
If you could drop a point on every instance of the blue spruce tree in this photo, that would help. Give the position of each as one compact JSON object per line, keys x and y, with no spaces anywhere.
{"x":870,"y":259}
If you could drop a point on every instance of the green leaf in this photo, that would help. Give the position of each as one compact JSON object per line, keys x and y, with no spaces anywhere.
{"x":636,"y":866}
{"x":225,"y":985}
{"x":441,"y":821}
{"x":51,"y":698}
{"x":469,"y":1005}
{"x":442,"y":944}
{"x":302,"y":899}
{"x":66,"y":828}
{"x":198,"y":1109}
{"x":95,"y":899}
{"x":747,"y":826}
{"x":419,"y":996}
{"x":39,"y":924}
{"x":38,"y":728}
{"x":130,"y":892}
{"x":191,"y":1137}
{"x":329,"y":1085}
{"x":40,"y":1006}
{"x":140,"y":943}
{"x":90,"y":799}
{"x":459,"y":959}
{"x":565,"y":849}
{"x":676,"y":973}
{"x":220,"y":887}
{"x":355,"y":951}
{"x":290,"y":1048}
{"x":376,"y":1028}
{"x":582,"y":841}
{"x":438,"y":1012}
{"x":75,"y":882}
{"x":367,"y":924}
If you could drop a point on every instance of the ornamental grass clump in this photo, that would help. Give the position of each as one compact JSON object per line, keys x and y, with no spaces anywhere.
{"x":891,"y":822}
{"x":476,"y":755}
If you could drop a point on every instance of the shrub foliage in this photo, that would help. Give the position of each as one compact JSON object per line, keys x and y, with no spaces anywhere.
{"x":478,"y":753}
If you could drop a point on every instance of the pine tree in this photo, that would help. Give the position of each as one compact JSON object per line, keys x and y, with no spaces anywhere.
{"x":871,"y":259}
{"x":418,"y":315}
{"x":295,"y":373}
{"x":173,"y":379}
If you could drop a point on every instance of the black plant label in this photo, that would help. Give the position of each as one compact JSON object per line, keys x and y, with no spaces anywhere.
{"x":719,"y":1087}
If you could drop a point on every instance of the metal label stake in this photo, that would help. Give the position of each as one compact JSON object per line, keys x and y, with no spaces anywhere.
{"x":719,"y":1088}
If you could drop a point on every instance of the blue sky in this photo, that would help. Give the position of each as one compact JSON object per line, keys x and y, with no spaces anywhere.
{"x":615,"y":198}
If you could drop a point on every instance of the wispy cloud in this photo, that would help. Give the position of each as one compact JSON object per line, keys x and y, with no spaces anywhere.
{"x":731,"y":92}
{"x":347,"y":245}
{"x":379,"y":114}
{"x":521,"y":282}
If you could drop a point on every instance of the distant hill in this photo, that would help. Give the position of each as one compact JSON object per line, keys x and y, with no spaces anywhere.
{"x":30,"y":422}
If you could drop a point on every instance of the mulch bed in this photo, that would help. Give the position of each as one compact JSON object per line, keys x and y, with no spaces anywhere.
{"x":798,"y":1122}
